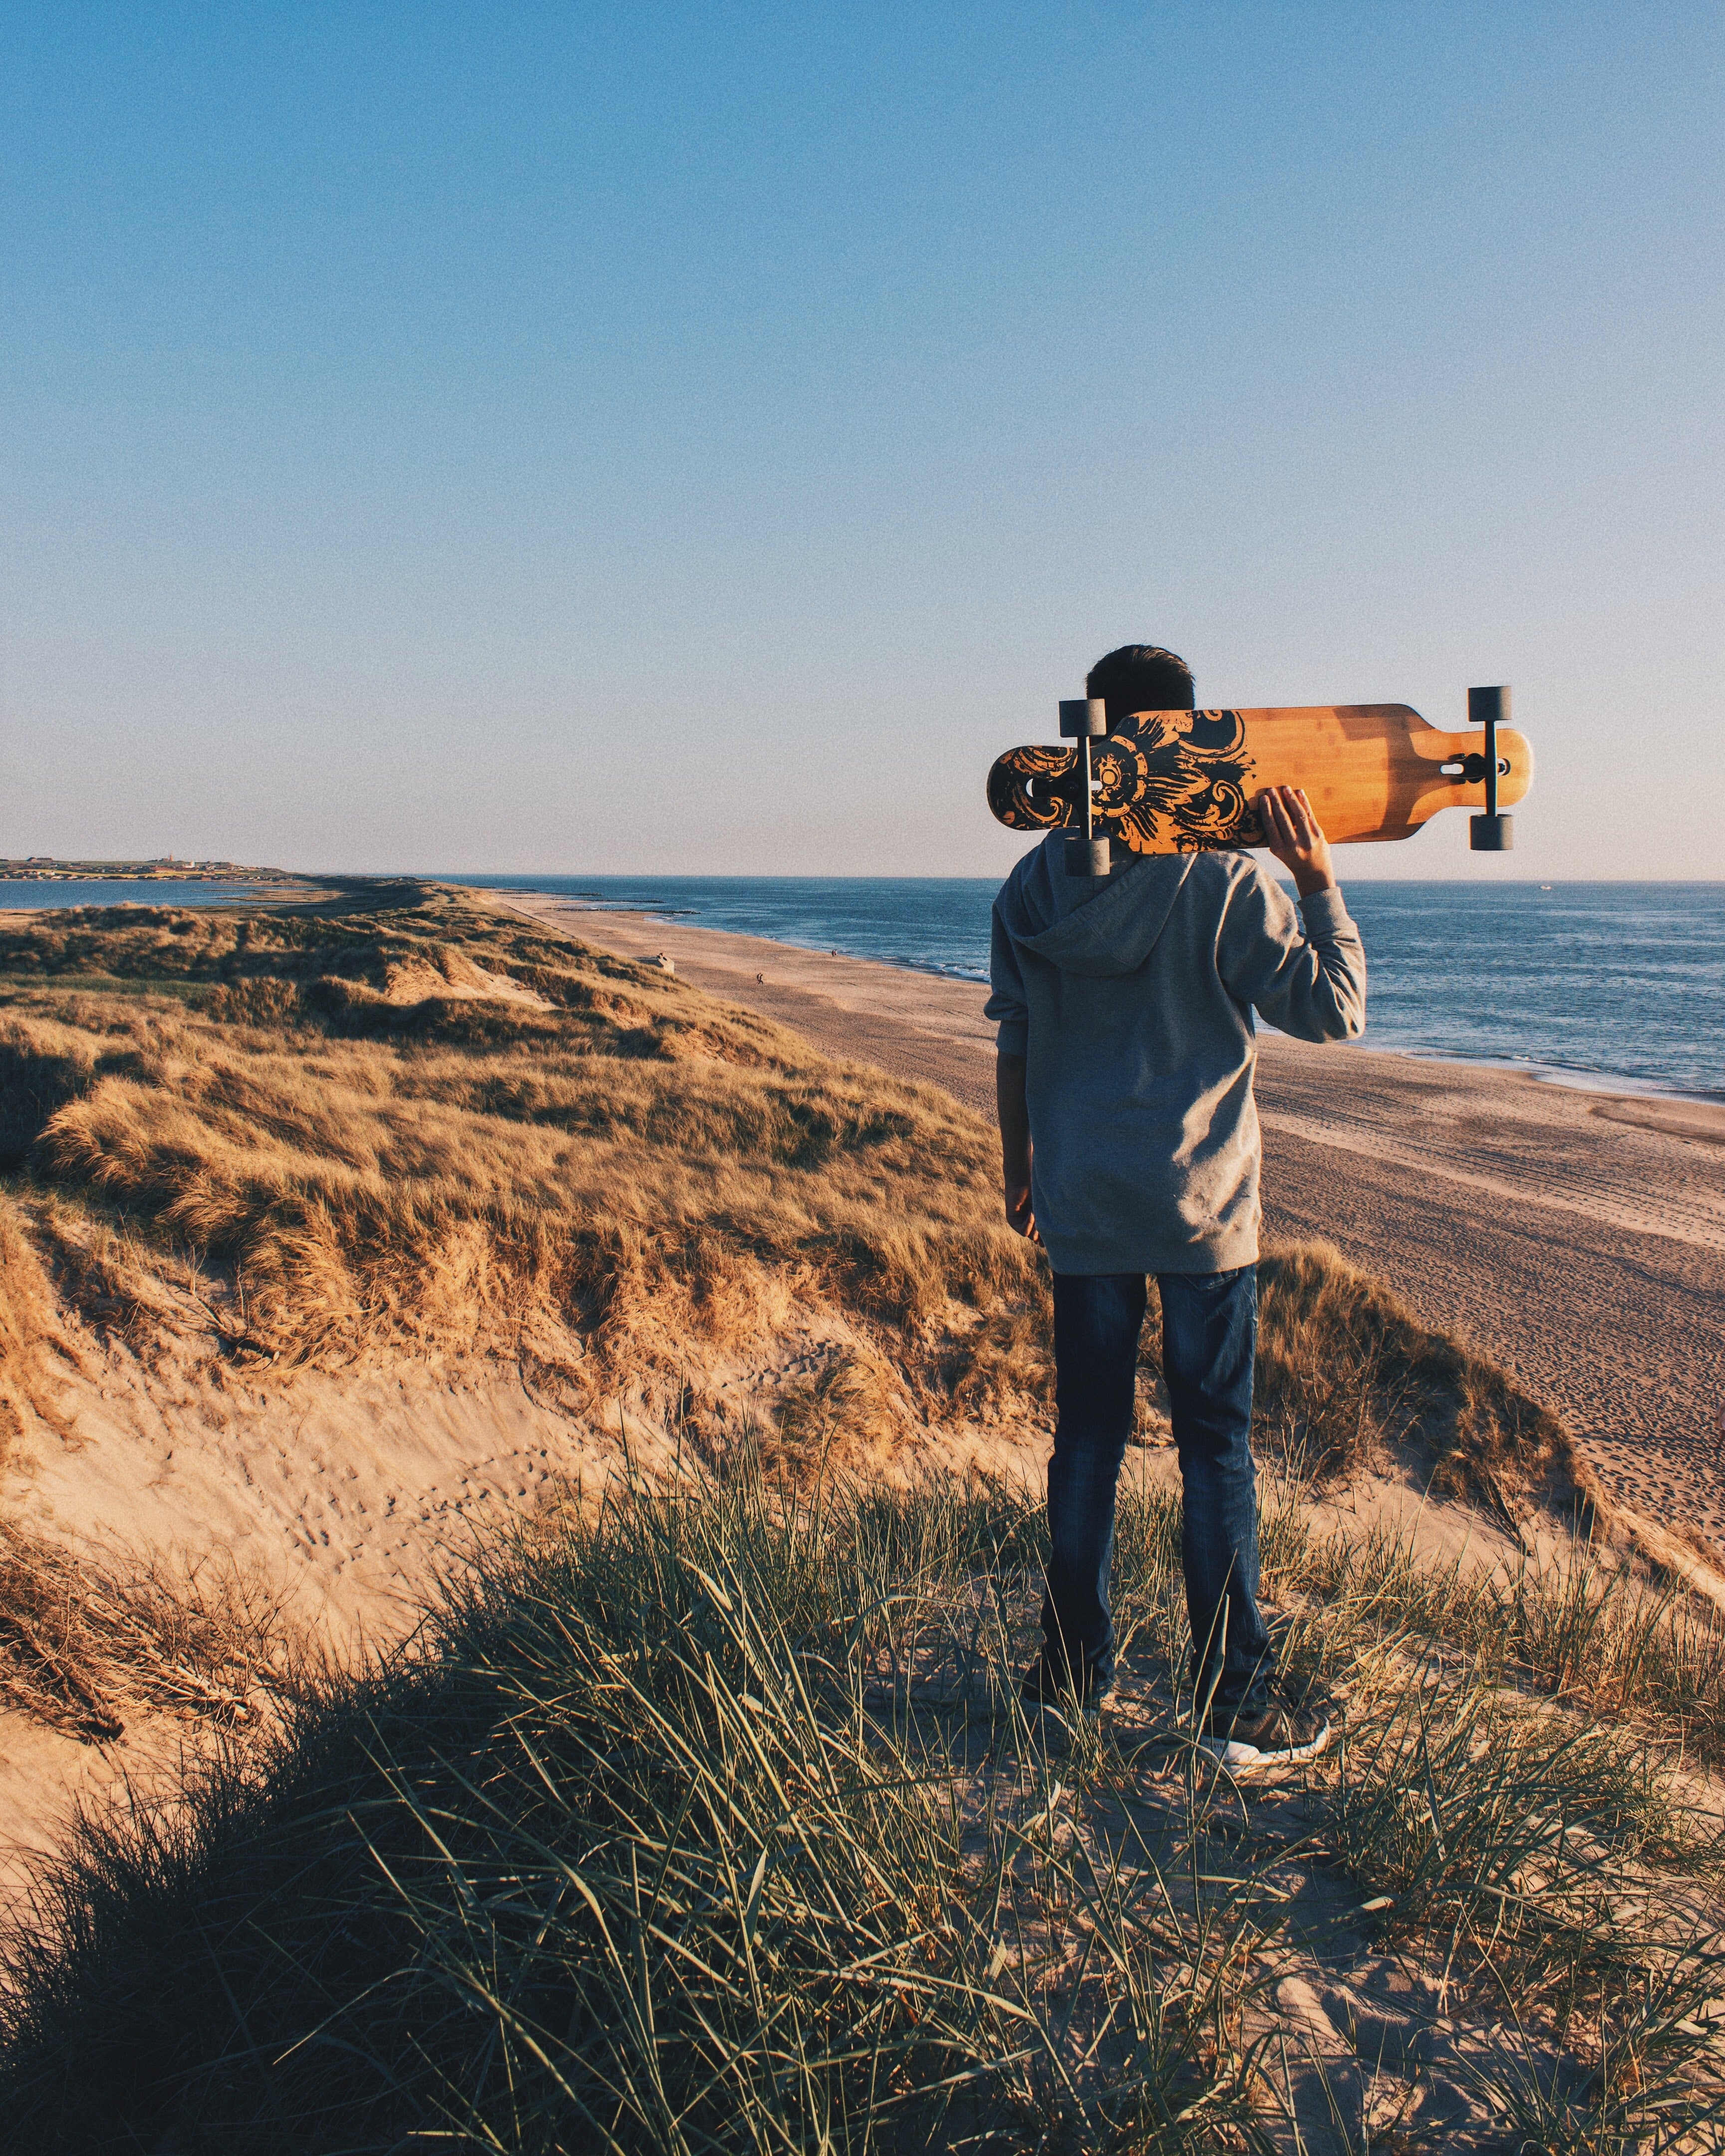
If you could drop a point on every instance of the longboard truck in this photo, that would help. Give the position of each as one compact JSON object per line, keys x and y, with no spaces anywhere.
{"x":1085,"y":719}
{"x":1489,"y":834}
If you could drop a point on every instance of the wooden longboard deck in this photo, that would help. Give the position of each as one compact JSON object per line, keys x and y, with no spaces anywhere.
{"x":1188,"y":782}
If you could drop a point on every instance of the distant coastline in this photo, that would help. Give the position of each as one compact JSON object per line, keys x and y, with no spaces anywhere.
{"x":1604,"y":1082}
{"x":43,"y":868}
{"x":1600,"y":987}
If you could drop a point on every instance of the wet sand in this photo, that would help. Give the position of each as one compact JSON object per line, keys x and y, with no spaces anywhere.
{"x":1576,"y":1237}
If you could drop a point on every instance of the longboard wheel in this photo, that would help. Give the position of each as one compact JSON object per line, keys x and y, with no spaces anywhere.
{"x":1089,"y":857}
{"x":1083,"y":715}
{"x":1492,"y":835}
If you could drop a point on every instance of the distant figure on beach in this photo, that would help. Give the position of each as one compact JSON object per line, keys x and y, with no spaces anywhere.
{"x":1130,"y":1147}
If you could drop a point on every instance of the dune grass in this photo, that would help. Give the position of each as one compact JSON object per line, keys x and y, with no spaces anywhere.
{"x":401,"y":1116}
{"x":398,"y":1119}
{"x":1581,"y":1624}
{"x":87,"y":1641}
{"x":427,"y":1122}
{"x":711,"y":1821}
{"x":1347,"y":1374}
{"x":32,"y":1343}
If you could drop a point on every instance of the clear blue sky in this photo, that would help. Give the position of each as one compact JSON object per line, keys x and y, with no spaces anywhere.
{"x":698,"y":439}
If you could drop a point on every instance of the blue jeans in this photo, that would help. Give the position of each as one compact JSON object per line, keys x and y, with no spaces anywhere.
{"x":1209,"y":1338}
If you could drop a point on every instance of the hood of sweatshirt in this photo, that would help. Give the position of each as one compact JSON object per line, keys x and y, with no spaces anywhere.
{"x":1094,"y":929}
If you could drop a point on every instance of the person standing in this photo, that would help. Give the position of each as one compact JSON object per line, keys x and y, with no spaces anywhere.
{"x":1130,"y":1150}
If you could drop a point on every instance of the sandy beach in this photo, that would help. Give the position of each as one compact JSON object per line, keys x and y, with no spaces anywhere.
{"x":1577,"y":1238}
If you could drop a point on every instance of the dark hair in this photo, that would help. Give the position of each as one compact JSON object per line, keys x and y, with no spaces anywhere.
{"x":1140,"y":677}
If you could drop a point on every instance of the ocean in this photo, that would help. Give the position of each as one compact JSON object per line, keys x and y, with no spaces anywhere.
{"x":17,"y":892}
{"x":1606,"y":984}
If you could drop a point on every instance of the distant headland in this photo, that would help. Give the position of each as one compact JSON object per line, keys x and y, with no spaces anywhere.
{"x":41,"y":868}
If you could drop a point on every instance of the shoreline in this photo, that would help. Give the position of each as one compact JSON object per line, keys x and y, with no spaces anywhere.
{"x":1574,"y":1237}
{"x":1608,"y":1085}
{"x":948,"y":1008}
{"x":1611,"y":1085}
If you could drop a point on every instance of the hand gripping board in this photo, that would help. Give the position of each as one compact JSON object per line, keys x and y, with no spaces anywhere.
{"x":1188,"y":782}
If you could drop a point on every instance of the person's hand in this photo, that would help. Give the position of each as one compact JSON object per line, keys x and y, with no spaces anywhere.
{"x":1018,"y":1216}
{"x":1296,"y":838}
{"x":1013,"y":1103}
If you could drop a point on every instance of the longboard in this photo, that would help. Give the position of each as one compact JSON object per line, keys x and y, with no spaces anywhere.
{"x":1188,"y":782}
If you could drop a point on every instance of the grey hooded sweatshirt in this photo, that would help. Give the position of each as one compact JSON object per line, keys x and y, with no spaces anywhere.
{"x":1132,"y":1001}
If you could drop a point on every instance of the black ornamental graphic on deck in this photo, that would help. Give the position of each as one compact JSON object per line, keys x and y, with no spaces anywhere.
{"x":1175,"y":782}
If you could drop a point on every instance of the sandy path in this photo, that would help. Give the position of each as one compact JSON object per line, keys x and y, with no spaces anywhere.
{"x":1577,"y":1238}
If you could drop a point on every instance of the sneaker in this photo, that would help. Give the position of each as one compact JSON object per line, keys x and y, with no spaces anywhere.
{"x":1267,"y":1736}
{"x":1047,"y":1689}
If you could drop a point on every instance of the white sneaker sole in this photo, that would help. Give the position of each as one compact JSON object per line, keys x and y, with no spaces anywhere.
{"x":1241,"y":1759}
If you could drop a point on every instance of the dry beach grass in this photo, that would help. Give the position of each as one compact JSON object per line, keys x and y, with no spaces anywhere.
{"x":712,"y":1823}
{"x":419,"y":1122}
{"x":29,"y":1338}
{"x":702,"y":1816}
{"x":402,"y":1118}
{"x":1574,"y":1239}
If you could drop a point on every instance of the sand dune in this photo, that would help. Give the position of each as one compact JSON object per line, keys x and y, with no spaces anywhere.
{"x":1574,"y":1238}
{"x":168,"y":1431}
{"x":1577,"y":1238}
